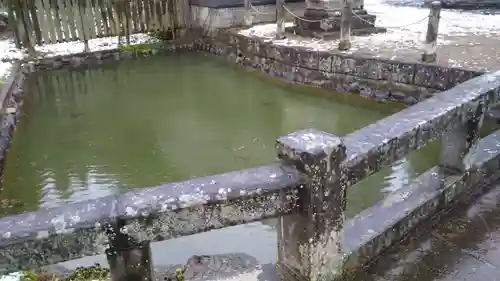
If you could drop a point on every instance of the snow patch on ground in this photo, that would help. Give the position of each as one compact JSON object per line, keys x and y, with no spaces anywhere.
{"x":406,"y":28}
{"x":9,"y":52}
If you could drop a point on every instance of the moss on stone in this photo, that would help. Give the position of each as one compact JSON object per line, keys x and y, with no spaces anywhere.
{"x":91,"y":273}
{"x":138,"y":48}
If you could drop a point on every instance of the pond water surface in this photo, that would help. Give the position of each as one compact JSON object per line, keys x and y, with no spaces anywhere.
{"x":93,"y":132}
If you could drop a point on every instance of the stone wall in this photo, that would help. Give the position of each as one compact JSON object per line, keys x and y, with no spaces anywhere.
{"x":380,"y":79}
{"x":11,"y":96}
{"x":105,"y":56}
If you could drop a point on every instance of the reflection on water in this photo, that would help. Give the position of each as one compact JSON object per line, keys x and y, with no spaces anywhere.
{"x":89,"y":133}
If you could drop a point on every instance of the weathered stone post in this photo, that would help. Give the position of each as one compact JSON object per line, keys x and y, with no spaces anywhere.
{"x":310,"y":242}
{"x":248,"y":13}
{"x":458,"y":143}
{"x":280,"y":19}
{"x":345,"y":26}
{"x":128,"y":261}
{"x":430,"y":45}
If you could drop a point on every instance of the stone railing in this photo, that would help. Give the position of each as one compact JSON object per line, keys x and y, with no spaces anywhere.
{"x":308,"y":184}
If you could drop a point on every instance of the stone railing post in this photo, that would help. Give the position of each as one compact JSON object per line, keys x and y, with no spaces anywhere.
{"x":280,"y":19}
{"x":127,"y":260}
{"x":310,"y":242}
{"x":430,"y":45}
{"x":345,"y":26}
{"x":248,"y":13}
{"x":458,"y":143}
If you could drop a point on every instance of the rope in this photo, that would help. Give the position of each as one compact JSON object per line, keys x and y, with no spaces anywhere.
{"x":300,"y":18}
{"x":406,"y":25}
{"x":257,"y":11}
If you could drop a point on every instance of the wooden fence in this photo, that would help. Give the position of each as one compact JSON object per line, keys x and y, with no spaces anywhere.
{"x":38,"y":22}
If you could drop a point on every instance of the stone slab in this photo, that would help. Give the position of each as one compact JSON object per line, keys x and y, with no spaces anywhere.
{"x":35,"y":239}
{"x":184,"y":208}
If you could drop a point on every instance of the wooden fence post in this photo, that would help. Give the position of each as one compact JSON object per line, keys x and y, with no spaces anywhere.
{"x":310,"y":242}
{"x":430,"y":45}
{"x":248,"y":13}
{"x":345,"y":26}
{"x":81,"y":12}
{"x":458,"y":143}
{"x":280,"y":19}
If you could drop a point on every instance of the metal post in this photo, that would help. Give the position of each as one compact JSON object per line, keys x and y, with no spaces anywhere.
{"x":458,"y":144}
{"x":128,"y":260}
{"x":430,"y":45}
{"x":310,"y":239}
{"x":345,"y":26}
{"x":248,"y":13}
{"x":280,"y":19}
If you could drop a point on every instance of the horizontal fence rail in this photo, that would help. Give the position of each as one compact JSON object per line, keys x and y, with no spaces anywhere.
{"x":308,"y":184}
{"x":38,"y":22}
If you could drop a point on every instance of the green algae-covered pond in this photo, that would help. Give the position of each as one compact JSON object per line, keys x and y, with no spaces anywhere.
{"x":92,"y":132}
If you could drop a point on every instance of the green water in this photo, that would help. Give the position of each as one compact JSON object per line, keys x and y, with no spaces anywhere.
{"x":89,"y":133}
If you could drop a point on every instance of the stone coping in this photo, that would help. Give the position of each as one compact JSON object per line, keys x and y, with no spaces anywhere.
{"x":168,"y":211}
{"x":178,"y":209}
